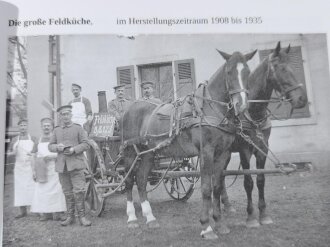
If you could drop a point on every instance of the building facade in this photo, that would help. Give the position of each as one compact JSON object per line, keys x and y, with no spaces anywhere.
{"x":178,"y":63}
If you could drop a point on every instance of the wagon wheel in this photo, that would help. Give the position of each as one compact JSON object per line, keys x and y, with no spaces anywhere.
{"x":182,"y":188}
{"x":95,"y":174}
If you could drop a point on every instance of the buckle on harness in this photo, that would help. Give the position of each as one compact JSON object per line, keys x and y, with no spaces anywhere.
{"x":259,"y":134}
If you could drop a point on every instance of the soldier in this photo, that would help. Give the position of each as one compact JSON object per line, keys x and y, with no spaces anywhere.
{"x":148,"y":92}
{"x":119,"y":105}
{"x":22,"y":147}
{"x":70,"y":141}
{"x":81,"y":106}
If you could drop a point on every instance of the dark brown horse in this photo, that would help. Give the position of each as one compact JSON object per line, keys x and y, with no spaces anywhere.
{"x":209,"y":134}
{"x":273,"y":73}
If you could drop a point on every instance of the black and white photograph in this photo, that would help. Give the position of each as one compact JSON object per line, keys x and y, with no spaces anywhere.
{"x":212,"y":139}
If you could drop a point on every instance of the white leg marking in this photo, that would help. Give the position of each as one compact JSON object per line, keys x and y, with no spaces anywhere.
{"x":207,"y":230}
{"x":147,"y":212}
{"x":130,"y":212}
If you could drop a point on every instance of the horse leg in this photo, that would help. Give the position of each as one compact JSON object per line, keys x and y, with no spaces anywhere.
{"x":206,"y":188}
{"x":132,"y":220}
{"x":261,"y":161}
{"x":224,"y":196}
{"x":218,"y":182}
{"x":130,"y":209}
{"x":251,"y":220}
{"x":142,"y":180}
{"x":264,"y":218}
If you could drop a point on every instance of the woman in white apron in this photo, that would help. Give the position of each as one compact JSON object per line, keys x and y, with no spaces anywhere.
{"x":48,"y":195}
{"x":23,"y":177}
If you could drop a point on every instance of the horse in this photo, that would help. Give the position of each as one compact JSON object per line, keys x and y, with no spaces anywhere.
{"x":217,"y":103}
{"x":273,"y":73}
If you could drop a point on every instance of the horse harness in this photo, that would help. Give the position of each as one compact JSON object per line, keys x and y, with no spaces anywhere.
{"x":249,"y":124}
{"x":188,"y":112}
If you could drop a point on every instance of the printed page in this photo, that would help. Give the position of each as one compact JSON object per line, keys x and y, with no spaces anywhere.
{"x":170,"y":114}
{"x":7,"y":11}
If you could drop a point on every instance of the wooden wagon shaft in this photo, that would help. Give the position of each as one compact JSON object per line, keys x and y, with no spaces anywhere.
{"x":177,"y":174}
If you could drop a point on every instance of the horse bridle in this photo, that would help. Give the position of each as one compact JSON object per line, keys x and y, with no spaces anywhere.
{"x":284,"y":92}
{"x":234,"y":91}
{"x":207,"y":96}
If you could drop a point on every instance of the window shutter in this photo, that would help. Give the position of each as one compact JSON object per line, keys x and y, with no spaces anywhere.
{"x":296,"y":63}
{"x":125,"y":76}
{"x":184,"y":77}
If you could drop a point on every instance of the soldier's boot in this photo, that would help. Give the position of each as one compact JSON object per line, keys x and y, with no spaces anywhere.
{"x":70,"y":207}
{"x":80,"y":204}
{"x":22,"y":212}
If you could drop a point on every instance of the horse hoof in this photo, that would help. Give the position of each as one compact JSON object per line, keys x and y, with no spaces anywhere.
{"x":252,"y":223}
{"x":210,"y":235}
{"x":223,"y":229}
{"x":266,"y":220}
{"x":153,"y":224}
{"x":132,"y":225}
{"x":229,"y":209}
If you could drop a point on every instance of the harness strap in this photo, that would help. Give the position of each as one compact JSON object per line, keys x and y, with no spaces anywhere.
{"x":212,"y":100}
{"x":292,"y":88}
{"x":269,"y":100}
{"x":207,"y":97}
{"x":235,"y":91}
{"x":150,"y":117}
{"x":249,"y":140}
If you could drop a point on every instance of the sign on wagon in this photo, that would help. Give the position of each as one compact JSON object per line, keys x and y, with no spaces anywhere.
{"x":103,"y":125}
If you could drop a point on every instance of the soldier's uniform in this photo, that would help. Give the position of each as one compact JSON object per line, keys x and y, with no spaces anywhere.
{"x":71,"y":167}
{"x":152,"y":99}
{"x":117,"y":107}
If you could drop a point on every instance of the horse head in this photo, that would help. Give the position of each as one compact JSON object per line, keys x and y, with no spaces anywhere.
{"x":284,"y":81}
{"x":237,"y":73}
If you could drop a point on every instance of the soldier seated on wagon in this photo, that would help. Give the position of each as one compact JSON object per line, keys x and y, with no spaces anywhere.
{"x":120,"y":104}
{"x":148,"y":92}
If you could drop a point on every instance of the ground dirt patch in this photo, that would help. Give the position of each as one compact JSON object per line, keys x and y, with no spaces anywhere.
{"x":299,"y":205}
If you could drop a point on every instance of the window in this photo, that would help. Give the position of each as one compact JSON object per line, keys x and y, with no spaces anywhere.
{"x":125,"y":76}
{"x":173,"y":79}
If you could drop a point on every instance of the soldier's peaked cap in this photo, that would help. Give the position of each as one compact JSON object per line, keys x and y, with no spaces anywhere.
{"x":147,"y":83}
{"x":76,"y":85}
{"x":64,"y":108}
{"x":47,"y":119}
{"x":118,"y":86}
{"x":22,"y":120}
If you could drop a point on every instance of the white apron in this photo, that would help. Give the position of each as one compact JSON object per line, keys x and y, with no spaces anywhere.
{"x":48,"y":197}
{"x":79,"y":113}
{"x":23,"y":176}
